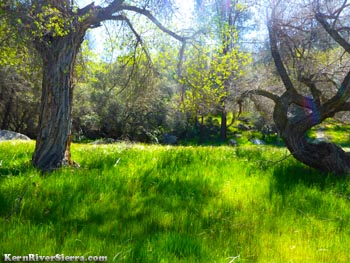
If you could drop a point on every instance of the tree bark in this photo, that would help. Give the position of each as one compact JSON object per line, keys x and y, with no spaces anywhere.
{"x":201,"y":129}
{"x":223,"y":127}
{"x":324,"y":156}
{"x":53,"y":140}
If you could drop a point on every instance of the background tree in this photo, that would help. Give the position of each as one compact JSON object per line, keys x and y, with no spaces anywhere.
{"x":20,"y":82}
{"x":209,"y":74}
{"x":122,"y":100}
{"x":227,"y":22}
{"x":212,"y":65}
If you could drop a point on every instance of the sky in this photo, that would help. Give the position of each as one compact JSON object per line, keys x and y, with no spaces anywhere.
{"x":98,"y":36}
{"x":184,"y":5}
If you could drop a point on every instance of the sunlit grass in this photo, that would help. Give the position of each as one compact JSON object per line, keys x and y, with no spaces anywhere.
{"x":139,"y":203}
{"x":333,"y":132}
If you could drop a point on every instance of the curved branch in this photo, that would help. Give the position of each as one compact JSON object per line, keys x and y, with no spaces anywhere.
{"x":316,"y":93}
{"x":115,"y":18}
{"x":332,"y":32}
{"x":338,"y":100}
{"x":99,"y":14}
{"x":138,"y":37}
{"x":278,"y":60}
{"x":155,"y":21}
{"x":263,"y":93}
{"x":85,"y":10}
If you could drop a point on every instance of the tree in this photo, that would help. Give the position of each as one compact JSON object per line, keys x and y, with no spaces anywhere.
{"x":57,"y":29}
{"x":209,"y":73}
{"x":317,"y":84}
{"x":213,"y":64}
{"x":122,"y":100}
{"x":225,"y":20}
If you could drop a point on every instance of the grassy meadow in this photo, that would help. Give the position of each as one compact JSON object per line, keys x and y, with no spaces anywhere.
{"x":148,"y":203}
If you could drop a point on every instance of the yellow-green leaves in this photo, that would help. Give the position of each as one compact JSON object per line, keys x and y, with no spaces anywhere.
{"x":50,"y":21}
{"x":207,"y":73}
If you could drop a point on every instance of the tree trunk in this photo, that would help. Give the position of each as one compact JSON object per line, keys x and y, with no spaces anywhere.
{"x":201,"y":129}
{"x":223,"y":128}
{"x":8,"y":108}
{"x":324,"y":156}
{"x":53,"y":141}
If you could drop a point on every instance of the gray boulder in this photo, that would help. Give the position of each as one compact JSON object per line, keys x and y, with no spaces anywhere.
{"x":104,"y":141}
{"x":232,"y":142}
{"x":257,"y":141}
{"x":169,"y":139}
{"x":10,"y":135}
{"x":243,"y":127}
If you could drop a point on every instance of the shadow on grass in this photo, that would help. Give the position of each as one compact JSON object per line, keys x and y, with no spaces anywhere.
{"x":290,"y":174}
{"x":14,"y":170}
{"x":153,"y":211}
{"x":310,"y":193}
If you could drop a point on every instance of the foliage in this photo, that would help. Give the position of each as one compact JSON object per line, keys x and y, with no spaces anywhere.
{"x":20,"y":80}
{"x":206,"y":72}
{"x":212,"y":70}
{"x":138,"y":203}
{"x":50,"y":21}
{"x":122,"y":100}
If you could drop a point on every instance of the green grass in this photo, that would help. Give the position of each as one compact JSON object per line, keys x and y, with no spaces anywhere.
{"x":333,"y":131}
{"x":138,"y":203}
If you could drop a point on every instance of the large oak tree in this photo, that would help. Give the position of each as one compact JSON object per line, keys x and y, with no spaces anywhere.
{"x":56,"y":28}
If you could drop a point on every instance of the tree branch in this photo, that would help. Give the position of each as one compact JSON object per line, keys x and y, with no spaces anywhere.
{"x":263,"y":93}
{"x":345,"y":107}
{"x":99,"y":14}
{"x":138,"y":37}
{"x":277,"y":58}
{"x":338,"y":100}
{"x":332,"y":32}
{"x":148,"y":14}
{"x":316,"y":93}
{"x":86,"y":9}
{"x":106,"y":12}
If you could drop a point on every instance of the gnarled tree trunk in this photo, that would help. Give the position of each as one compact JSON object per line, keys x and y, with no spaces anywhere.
{"x":53,"y":141}
{"x":324,"y":156}
{"x":296,"y":113}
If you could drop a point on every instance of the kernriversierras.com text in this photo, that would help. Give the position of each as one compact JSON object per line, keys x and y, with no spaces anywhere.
{"x":55,"y":258}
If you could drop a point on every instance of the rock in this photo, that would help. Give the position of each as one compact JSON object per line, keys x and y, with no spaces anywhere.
{"x":257,"y":141}
{"x":104,"y":141}
{"x":268,"y":129}
{"x":320,"y":137}
{"x":232,"y":142}
{"x":10,"y":135}
{"x":318,"y":140}
{"x":243,"y":127}
{"x":243,"y":119}
{"x":169,"y":139}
